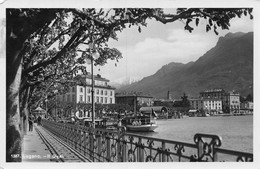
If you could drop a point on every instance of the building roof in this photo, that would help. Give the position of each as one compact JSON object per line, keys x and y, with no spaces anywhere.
{"x":213,"y":91}
{"x":133,"y":94}
{"x":232,"y":93}
{"x":81,"y":81}
{"x":88,"y":76}
{"x":97,"y":77}
{"x":153,"y":108}
{"x":192,"y":99}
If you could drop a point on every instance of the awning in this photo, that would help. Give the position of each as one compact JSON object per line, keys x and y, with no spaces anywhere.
{"x":39,"y":110}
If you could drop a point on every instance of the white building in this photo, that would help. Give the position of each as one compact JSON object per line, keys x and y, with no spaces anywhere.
{"x":212,"y":106}
{"x":81,"y":93}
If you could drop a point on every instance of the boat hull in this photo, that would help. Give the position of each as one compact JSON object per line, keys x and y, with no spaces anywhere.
{"x":141,"y":128}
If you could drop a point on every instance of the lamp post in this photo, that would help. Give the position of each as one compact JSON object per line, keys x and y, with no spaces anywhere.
{"x":94,"y":55}
{"x":55,"y":92}
{"x":46,"y":101}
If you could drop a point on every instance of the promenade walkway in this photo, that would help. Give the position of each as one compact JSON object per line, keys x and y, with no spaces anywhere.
{"x":34,"y":149}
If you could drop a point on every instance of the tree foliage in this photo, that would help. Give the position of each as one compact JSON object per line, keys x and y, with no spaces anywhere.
{"x":184,"y":101}
{"x":51,"y":51}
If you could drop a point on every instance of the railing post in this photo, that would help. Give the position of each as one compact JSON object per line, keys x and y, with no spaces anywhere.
{"x":124,"y":149}
{"x":85,"y":143}
{"x":78,"y":139}
{"x":200,"y":150}
{"x":140,"y":154}
{"x":74,"y":137}
{"x":99,"y":145}
{"x":163,"y":152}
{"x":120,"y":144}
{"x":215,"y":155}
{"x":108,"y":148}
{"x":92,"y":140}
{"x":207,"y":148}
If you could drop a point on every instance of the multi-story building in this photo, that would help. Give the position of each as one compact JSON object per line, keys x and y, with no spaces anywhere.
{"x":81,"y":92}
{"x":247,"y":107}
{"x":196,"y":103}
{"x":231,"y":102}
{"x":228,"y":102}
{"x":213,"y":93}
{"x":136,"y":100}
{"x":212,"y":105}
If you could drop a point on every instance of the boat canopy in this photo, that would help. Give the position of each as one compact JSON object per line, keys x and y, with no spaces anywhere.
{"x":153,"y":108}
{"x":193,"y":111}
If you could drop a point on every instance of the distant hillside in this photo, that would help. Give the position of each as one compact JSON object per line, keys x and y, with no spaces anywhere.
{"x":229,"y":65}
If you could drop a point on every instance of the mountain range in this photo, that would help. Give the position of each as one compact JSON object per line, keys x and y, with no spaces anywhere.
{"x":228,"y":65}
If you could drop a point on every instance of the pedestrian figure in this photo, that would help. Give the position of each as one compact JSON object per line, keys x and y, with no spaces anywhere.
{"x":31,"y":120}
{"x":39,"y":120}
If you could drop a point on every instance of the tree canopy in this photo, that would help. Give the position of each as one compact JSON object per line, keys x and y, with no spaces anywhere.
{"x":53,"y":38}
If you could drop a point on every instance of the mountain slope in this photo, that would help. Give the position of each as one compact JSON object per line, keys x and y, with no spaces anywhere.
{"x":229,"y":65}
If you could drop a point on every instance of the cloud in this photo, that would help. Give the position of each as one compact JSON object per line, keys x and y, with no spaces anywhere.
{"x":178,"y":47}
{"x":157,"y":45}
{"x":147,"y":56}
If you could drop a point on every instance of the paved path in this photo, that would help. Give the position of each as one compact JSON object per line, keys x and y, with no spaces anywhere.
{"x":40,"y":145}
{"x":34,"y":149}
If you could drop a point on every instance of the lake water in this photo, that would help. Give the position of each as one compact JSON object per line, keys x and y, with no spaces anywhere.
{"x":236,"y":131}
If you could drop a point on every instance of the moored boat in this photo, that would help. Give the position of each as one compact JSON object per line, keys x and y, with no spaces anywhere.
{"x":141,"y":128}
{"x":140,"y":123}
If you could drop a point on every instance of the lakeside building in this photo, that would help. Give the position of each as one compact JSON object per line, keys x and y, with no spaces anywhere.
{"x":231,"y":103}
{"x":247,"y":107}
{"x":213,"y":93}
{"x":134,"y":99}
{"x":212,"y":105}
{"x":208,"y":105}
{"x":81,"y":92}
{"x":220,"y":100}
{"x":196,"y":103}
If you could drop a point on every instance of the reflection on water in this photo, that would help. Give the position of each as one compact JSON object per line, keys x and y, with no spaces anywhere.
{"x":236,"y":131}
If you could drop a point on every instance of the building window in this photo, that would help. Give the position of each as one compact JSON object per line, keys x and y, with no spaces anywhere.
{"x":97,"y":91}
{"x":105,"y":99}
{"x":101,"y":92}
{"x":73,"y":98}
{"x":81,"y":98}
{"x":106,"y":92}
{"x":111,"y":100}
{"x":97,"y":99}
{"x":80,"y":113}
{"x":73,"y":89}
{"x":101,"y":99}
{"x":89,"y":99}
{"x":89,"y":90}
{"x":111,"y":93}
{"x":81,"y":90}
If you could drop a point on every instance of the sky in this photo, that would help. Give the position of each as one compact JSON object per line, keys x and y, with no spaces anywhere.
{"x":159,"y":44}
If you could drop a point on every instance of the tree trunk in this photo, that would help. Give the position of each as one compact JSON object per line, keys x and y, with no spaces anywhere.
{"x":24,"y":108}
{"x":13,"y":78}
{"x":13,"y":125}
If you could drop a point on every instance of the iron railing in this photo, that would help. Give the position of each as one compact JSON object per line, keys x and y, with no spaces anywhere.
{"x":101,"y":145}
